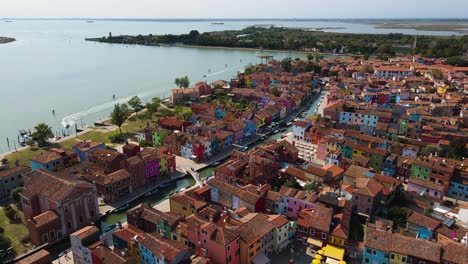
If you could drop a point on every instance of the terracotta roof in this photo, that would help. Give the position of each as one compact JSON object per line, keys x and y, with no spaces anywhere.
{"x":428,"y":184}
{"x":301,"y":123}
{"x":45,"y":218}
{"x":128,"y":233}
{"x":317,"y":171}
{"x":14,"y":170}
{"x":392,"y":242}
{"x":454,"y":253}
{"x":422,"y":220}
{"x":51,"y":186}
{"x":107,"y":255}
{"x":356,"y":171}
{"x":188,"y":201}
{"x":86,"y":232}
{"x":254,"y":228}
{"x":319,"y":218}
{"x":368,"y":187}
{"x":161,"y":248}
{"x":39,"y":257}
{"x":87,"y":145}
{"x":105,"y":154}
{"x":278,"y":220}
{"x":47,"y":157}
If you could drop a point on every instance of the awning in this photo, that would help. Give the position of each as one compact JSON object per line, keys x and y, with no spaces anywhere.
{"x":333,"y":252}
{"x":315,"y":242}
{"x":261,"y":259}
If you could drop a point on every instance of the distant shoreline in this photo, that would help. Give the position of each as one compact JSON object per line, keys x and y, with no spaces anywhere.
{"x":4,"y":40}
{"x":246,"y":49}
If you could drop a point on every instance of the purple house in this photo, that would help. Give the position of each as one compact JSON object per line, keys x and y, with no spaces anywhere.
{"x":302,"y":200}
{"x":237,"y":128}
{"x":151,"y":169}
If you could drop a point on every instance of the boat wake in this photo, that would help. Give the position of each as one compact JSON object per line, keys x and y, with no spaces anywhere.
{"x":75,"y":118}
{"x":223,"y":71}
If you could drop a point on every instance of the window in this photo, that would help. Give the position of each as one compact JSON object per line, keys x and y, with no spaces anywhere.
{"x":312,"y":231}
{"x":45,"y":237}
{"x":422,"y":262}
{"x":324,"y":236}
{"x":69,"y":225}
{"x":369,"y":251}
{"x":356,"y":197}
{"x":81,"y":219}
{"x":392,"y":256}
{"x":374,"y":252}
{"x":368,"y":200}
{"x":52,"y":234}
{"x":91,"y":213}
{"x":65,"y":208}
{"x":366,"y":260}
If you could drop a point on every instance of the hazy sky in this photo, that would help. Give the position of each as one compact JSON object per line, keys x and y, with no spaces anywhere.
{"x":234,"y":8}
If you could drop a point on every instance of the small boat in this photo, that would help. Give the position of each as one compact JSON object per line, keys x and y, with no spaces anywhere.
{"x":217,"y":23}
{"x":263,"y":138}
{"x":216,"y":164}
{"x":276,"y":131}
{"x":89,"y":21}
{"x":204,"y":75}
{"x":289,"y":124}
{"x":165,"y":185}
{"x":284,"y":135}
{"x":121,"y":208}
{"x":182,"y":190}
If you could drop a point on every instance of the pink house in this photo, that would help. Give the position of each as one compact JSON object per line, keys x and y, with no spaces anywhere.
{"x":322,"y":149}
{"x":237,"y":128}
{"x":297,"y":200}
{"x":220,"y":244}
{"x":426,"y":188}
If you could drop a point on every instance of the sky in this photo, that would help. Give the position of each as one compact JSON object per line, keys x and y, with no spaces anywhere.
{"x":233,"y":8}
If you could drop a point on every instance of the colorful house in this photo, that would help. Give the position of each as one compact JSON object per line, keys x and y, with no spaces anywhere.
{"x":84,"y":148}
{"x":158,"y":136}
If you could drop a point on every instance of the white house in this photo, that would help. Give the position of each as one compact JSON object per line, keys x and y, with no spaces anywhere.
{"x":299,"y":129}
{"x":186,"y":150}
{"x":79,"y":243}
{"x":390,"y":72}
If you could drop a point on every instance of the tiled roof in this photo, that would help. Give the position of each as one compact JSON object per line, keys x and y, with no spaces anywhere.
{"x":50,"y":186}
{"x":255,"y":227}
{"x":14,"y":170}
{"x":422,"y":220}
{"x":47,"y":157}
{"x":356,"y":171}
{"x":319,"y":218}
{"x":278,"y":220}
{"x":38,"y":257}
{"x":368,"y":187}
{"x":87,"y":145}
{"x":428,"y":184}
{"x":454,"y":253}
{"x":391,"y":242}
{"x":86,"y":232}
{"x":105,"y":154}
{"x":45,"y":218}
{"x":107,"y":255}
{"x":161,"y":248}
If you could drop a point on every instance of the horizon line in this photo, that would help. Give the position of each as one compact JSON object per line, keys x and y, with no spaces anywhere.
{"x":233,"y":18}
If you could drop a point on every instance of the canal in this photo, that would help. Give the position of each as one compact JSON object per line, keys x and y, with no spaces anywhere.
{"x":163,"y":194}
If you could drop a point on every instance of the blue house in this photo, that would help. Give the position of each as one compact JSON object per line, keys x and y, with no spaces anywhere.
{"x":458,"y":189}
{"x":47,"y":161}
{"x":389,"y":166}
{"x":219,"y":113}
{"x":250,"y":129}
{"x":371,"y":255}
{"x":84,"y":148}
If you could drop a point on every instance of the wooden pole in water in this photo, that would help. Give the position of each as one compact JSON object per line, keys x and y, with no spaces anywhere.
{"x":8,"y":143}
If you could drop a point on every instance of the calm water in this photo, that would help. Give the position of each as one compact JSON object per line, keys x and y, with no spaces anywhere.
{"x":51,"y":67}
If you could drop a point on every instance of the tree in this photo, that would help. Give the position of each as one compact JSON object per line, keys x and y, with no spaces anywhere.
{"x":286,"y":64}
{"x":429,"y":149}
{"x":313,"y":186}
{"x":187,"y":114}
{"x":456,"y":149}
{"x":182,"y":82}
{"x":437,"y":74}
{"x":125,"y":108}
{"x":397,"y":215}
{"x":313,"y":66}
{"x":275,"y":91}
{"x":145,"y":143}
{"x":310,"y":57}
{"x":15,"y":194}
{"x":42,"y":132}
{"x":118,"y":117}
{"x":292,"y":184}
{"x":318,"y":56}
{"x":194,"y":34}
{"x":135,"y":103}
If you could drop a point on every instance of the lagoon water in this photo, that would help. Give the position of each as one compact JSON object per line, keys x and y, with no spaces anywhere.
{"x":51,"y":67}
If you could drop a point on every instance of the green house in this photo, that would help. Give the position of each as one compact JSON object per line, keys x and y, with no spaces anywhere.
{"x":158,"y":137}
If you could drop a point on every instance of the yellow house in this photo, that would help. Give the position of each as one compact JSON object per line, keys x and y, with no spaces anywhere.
{"x":163,"y":165}
{"x":256,"y":237}
{"x":248,"y":82}
{"x":184,"y":205}
{"x":396,"y":258}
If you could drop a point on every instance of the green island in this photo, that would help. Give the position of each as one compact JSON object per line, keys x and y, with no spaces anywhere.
{"x":4,"y":40}
{"x":306,"y":40}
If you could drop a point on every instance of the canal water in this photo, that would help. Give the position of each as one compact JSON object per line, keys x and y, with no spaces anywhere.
{"x":186,"y":182}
